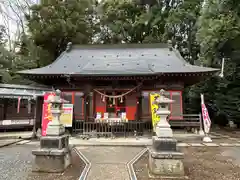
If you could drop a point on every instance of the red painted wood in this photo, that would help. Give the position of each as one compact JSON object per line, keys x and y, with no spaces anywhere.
{"x":100,"y":106}
{"x":131,"y":105}
{"x":73,"y":97}
{"x":131,"y":111}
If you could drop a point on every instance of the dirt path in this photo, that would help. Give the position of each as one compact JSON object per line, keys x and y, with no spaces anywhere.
{"x":109,"y":162}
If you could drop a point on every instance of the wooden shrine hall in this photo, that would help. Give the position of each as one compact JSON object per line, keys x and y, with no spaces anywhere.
{"x":113,"y":82}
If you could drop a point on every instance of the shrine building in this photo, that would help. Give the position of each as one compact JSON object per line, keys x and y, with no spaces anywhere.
{"x":106,"y":81}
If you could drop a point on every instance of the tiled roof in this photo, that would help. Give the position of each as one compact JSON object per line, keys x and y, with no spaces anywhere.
{"x":138,"y":59}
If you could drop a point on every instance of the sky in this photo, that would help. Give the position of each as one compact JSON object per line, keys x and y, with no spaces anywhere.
{"x":10,"y":14}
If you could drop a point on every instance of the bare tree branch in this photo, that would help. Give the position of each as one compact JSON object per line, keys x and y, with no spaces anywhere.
{"x":12,"y":13}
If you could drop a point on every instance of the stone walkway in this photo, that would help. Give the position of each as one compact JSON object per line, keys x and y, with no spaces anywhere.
{"x":109,"y":162}
{"x":180,"y":144}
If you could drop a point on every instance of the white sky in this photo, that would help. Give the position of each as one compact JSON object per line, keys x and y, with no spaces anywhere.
{"x":11,"y":11}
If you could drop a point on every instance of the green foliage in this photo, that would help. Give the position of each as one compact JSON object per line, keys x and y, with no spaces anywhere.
{"x":181,"y":28}
{"x":52,"y":24}
{"x":126,"y":21}
{"x":218,"y":36}
{"x":218,"y":23}
{"x":2,"y":35}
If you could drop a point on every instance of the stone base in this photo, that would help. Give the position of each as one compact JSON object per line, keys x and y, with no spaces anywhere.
{"x":56,"y":142}
{"x":164,"y":132}
{"x":55,"y":130}
{"x":154,"y":177}
{"x":51,"y":160}
{"x":166,"y":164}
{"x":164,"y":144}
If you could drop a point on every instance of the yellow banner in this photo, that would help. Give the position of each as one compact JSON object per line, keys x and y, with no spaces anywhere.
{"x":154,"y":108}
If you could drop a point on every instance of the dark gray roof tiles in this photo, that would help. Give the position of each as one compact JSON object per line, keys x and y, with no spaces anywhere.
{"x":118,"y":60}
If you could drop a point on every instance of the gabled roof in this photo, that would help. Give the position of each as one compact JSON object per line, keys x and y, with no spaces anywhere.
{"x":119,"y":60}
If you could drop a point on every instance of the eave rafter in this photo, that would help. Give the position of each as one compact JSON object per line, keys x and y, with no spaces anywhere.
{"x":124,"y":77}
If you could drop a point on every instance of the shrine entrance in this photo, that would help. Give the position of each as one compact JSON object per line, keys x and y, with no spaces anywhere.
{"x":115,"y":107}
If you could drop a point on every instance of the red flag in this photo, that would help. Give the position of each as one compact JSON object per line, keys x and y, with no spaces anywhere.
{"x":19,"y":103}
{"x":206,"y":119}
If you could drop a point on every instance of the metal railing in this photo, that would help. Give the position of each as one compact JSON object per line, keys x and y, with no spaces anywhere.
{"x":132,"y":128}
{"x":113,"y":129}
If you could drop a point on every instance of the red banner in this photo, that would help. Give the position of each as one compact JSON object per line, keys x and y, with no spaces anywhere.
{"x":46,"y":115}
{"x":205,"y":115}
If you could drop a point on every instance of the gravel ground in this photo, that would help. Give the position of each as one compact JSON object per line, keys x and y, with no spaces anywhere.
{"x":235,"y":133}
{"x":200,"y":164}
{"x":16,"y":162}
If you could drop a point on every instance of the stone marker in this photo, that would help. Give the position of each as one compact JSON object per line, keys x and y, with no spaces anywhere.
{"x":54,"y":154}
{"x":164,"y":159}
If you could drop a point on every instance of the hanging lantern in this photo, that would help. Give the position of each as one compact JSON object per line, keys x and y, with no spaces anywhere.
{"x":103,"y":99}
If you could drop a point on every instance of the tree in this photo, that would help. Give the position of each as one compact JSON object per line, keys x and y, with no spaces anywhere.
{"x":12,"y":13}
{"x":52,"y":24}
{"x":219,"y":37}
{"x":181,"y":28}
{"x":131,"y":22}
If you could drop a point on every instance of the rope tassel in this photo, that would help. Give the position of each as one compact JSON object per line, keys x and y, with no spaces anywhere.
{"x":121,"y":99}
{"x":113,"y":101}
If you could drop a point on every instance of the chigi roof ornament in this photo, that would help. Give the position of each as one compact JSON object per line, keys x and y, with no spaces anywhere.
{"x":69,"y":46}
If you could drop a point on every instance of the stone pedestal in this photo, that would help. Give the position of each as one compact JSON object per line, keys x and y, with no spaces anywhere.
{"x":54,"y":154}
{"x":165,"y":164}
{"x":164,"y":159}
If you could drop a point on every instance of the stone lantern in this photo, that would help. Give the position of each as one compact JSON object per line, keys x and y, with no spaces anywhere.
{"x":55,"y":128}
{"x":164,"y":159}
{"x":163,"y":128}
{"x":54,"y":154}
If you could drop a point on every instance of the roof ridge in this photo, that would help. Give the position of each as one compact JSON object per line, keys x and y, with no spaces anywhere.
{"x":120,"y":46}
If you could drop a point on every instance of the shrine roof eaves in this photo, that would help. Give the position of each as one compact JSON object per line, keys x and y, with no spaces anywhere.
{"x":118,"y":59}
{"x":23,"y":91}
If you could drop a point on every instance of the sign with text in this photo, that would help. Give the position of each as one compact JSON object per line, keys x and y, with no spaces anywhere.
{"x":154,"y":108}
{"x":46,"y":113}
{"x":66,"y":117}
